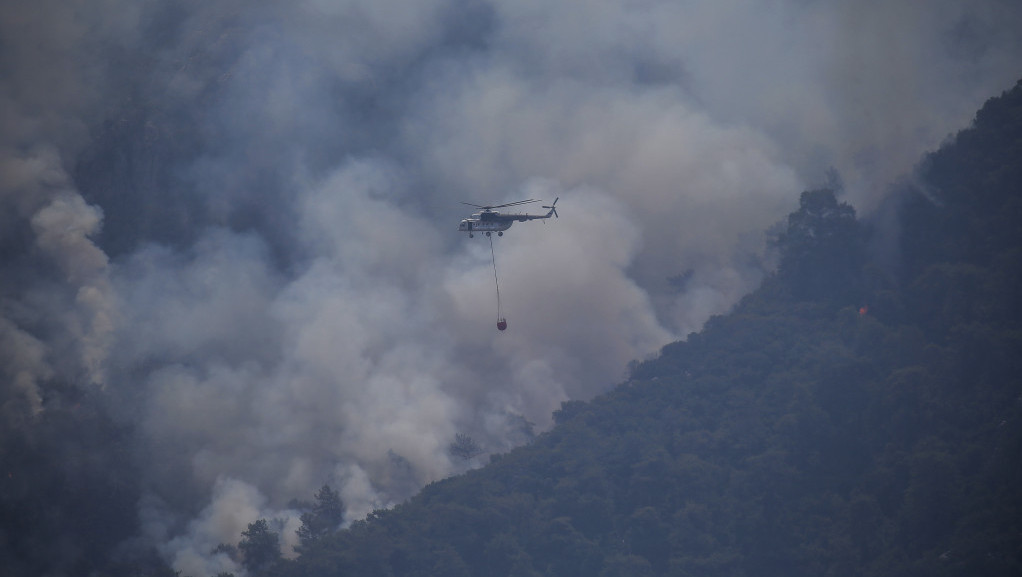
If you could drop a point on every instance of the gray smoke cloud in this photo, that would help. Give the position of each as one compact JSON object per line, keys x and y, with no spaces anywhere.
{"x":56,"y":310}
{"x":237,"y":219}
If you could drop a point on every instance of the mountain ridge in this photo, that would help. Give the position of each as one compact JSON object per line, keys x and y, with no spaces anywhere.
{"x":841,"y":420}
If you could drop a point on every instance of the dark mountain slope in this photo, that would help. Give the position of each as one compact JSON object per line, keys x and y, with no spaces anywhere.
{"x":843,"y":420}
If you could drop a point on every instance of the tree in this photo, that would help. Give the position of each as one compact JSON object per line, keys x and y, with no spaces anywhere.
{"x":324,"y":518}
{"x":260,"y":546}
{"x":464,"y":447}
{"x":822,"y":248}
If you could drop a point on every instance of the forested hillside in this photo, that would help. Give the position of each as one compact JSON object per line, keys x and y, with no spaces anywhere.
{"x":860,"y":414}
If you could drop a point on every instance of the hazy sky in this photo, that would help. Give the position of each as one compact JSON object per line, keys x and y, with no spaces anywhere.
{"x":238,"y":220}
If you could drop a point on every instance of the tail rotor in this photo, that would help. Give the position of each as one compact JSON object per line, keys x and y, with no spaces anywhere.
{"x":553,"y":208}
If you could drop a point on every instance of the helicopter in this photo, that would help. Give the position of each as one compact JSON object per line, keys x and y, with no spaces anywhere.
{"x":489,"y":220}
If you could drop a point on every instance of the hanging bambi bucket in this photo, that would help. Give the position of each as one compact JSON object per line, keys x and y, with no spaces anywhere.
{"x":501,"y":321}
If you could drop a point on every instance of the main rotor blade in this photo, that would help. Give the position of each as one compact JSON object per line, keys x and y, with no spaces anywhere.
{"x":516,"y":203}
{"x":490,"y":206}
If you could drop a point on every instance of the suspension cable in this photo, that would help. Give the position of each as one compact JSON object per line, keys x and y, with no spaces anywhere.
{"x":493,"y":256}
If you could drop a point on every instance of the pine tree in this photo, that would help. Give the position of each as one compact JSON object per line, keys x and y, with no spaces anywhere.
{"x":260,"y":546}
{"x":324,"y":518}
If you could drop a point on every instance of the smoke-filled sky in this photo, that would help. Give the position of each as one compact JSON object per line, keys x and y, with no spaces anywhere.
{"x":236,"y":221}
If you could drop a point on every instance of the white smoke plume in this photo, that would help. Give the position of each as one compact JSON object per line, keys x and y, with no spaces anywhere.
{"x":234,"y":506}
{"x":240,"y":218}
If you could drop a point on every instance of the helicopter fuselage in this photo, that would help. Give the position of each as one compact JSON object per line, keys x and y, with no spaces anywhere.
{"x":470,"y":225}
{"x":490,"y":221}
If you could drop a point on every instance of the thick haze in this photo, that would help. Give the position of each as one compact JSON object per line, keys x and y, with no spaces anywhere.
{"x":238,"y":219}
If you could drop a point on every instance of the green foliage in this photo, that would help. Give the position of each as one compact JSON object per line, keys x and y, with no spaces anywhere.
{"x":822,"y":248}
{"x":849,"y":418}
{"x":967,"y":207}
{"x":325,"y":517}
{"x":259,"y":546}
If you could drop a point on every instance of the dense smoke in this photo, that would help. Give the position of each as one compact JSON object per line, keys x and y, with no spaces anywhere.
{"x":237,"y":220}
